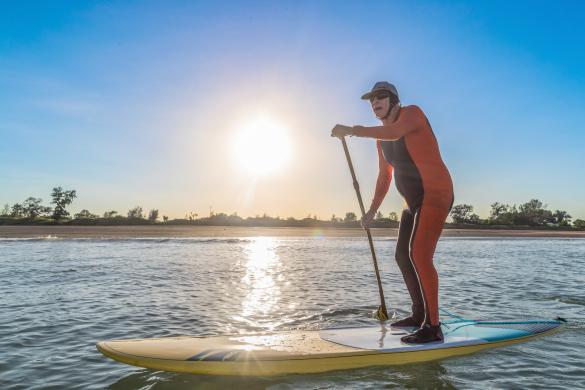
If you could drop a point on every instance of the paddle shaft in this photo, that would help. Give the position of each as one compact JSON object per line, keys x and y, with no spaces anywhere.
{"x":361,"y":202}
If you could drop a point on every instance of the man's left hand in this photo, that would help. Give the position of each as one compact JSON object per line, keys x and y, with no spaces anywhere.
{"x":341,"y":131}
{"x":368,"y":219}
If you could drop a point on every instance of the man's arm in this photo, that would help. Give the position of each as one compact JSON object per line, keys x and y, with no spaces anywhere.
{"x":383,"y":182}
{"x":411,"y":118}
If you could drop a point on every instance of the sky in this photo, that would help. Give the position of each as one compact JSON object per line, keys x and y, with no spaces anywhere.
{"x":141,"y":102}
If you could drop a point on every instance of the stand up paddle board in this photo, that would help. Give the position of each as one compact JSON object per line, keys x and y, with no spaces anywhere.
{"x":299,"y":352}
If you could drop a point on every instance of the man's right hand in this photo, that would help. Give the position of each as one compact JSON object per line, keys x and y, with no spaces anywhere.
{"x":368,"y":219}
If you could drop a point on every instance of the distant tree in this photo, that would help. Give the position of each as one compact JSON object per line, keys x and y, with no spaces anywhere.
{"x":579,"y":224}
{"x":32,"y":207}
{"x":463,"y":213}
{"x":153,"y":215}
{"x":379,"y":216}
{"x":136,"y":213}
{"x":85,"y":214}
{"x":165,"y":218}
{"x":498,"y":210}
{"x":191,"y":216}
{"x":502,"y":214}
{"x":61,"y":199}
{"x":110,"y":214}
{"x":561,"y":218}
{"x":5,"y":211}
{"x":393,"y":216}
{"x":17,"y":211}
{"x":350,"y":217}
{"x":533,"y":213}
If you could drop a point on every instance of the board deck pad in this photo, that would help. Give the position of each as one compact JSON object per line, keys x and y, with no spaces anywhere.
{"x":387,"y":339}
{"x":315,"y":351}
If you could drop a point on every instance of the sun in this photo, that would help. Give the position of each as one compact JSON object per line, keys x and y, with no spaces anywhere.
{"x":262,"y":147}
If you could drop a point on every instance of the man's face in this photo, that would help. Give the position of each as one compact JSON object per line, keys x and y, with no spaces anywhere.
{"x":380,"y":104}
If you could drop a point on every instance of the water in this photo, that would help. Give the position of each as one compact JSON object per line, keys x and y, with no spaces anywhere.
{"x":58,"y":297}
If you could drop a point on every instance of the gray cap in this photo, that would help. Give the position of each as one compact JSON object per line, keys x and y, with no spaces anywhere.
{"x":381,"y":86}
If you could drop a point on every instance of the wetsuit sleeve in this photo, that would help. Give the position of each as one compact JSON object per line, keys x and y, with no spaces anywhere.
{"x":384,"y":179}
{"x":411,"y":118}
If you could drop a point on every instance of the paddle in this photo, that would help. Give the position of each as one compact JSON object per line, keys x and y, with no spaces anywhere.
{"x":381,"y":313}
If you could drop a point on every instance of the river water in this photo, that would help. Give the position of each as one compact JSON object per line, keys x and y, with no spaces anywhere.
{"x":59,"y":296}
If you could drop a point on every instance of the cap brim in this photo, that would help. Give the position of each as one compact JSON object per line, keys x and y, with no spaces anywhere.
{"x":369,"y":95}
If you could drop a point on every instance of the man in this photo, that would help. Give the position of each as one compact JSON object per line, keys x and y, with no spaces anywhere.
{"x":407,"y":146}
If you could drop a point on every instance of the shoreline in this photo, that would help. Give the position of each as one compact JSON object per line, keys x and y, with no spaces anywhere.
{"x":236,"y":231}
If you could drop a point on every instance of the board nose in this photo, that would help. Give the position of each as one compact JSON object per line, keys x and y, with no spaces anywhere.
{"x":102,"y":346}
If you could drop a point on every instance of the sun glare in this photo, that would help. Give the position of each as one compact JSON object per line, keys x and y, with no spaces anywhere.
{"x":262,"y":147}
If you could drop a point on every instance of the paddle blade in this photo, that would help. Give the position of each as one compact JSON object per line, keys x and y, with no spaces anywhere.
{"x":381,"y":314}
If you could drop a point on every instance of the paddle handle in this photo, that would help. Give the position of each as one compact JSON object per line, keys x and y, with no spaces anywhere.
{"x":356,"y":186}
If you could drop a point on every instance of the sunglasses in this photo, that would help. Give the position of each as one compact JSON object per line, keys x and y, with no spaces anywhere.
{"x":379,"y":96}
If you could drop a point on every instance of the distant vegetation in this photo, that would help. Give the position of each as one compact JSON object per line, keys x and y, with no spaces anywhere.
{"x":533,"y":214}
{"x":530,"y":215}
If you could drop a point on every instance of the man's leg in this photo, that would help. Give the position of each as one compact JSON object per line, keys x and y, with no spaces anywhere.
{"x":429,"y":222}
{"x":408,"y":272}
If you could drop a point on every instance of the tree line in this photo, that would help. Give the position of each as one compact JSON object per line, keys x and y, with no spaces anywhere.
{"x":32,"y":210}
{"x":532,"y":214}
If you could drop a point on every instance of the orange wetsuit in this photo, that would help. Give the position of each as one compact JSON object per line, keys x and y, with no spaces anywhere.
{"x":409,"y":148}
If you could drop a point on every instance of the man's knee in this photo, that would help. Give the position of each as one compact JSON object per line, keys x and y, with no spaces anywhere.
{"x":403,"y":259}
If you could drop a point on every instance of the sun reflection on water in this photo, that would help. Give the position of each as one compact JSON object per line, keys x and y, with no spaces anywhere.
{"x":261,"y":283}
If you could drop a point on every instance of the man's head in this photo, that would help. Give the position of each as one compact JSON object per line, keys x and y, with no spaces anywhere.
{"x":383,"y":97}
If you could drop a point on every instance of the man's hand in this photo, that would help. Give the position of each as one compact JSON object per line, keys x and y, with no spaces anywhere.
{"x":368,"y":219}
{"x":341,"y":131}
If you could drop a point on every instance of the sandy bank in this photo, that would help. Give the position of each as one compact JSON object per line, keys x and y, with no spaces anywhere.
{"x":231,"y":231}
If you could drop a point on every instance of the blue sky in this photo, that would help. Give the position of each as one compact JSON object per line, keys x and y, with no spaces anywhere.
{"x":134,"y":103}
